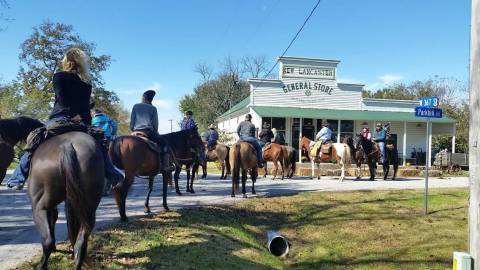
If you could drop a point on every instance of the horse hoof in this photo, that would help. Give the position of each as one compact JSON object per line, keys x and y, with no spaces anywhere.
{"x":192,"y":191}
{"x":124,"y":219}
{"x":245,"y":196}
{"x":254,"y":192}
{"x":166,"y":208}
{"x":233,"y":195}
{"x":147,"y":211}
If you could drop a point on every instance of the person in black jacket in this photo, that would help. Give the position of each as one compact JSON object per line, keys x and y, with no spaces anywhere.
{"x":72,"y":102}
{"x":266,"y":135}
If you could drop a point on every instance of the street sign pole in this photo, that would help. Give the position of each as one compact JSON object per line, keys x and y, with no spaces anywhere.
{"x":427,"y":165}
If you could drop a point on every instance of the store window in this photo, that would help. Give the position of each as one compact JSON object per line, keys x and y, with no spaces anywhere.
{"x":279,"y":123}
{"x":346,"y":129}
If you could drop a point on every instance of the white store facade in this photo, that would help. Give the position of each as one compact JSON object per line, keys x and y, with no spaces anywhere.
{"x":307,"y":92}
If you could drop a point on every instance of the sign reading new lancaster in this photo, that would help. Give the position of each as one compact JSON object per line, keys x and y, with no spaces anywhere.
{"x":290,"y":71}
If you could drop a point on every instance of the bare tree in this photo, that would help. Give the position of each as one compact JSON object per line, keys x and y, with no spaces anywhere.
{"x":204,"y":70}
{"x":255,"y":67}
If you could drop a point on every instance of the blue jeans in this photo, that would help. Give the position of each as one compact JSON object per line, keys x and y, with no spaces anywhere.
{"x":381,"y":145}
{"x":256,"y":144}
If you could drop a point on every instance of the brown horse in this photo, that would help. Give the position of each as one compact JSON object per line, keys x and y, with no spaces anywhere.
{"x":220,"y":154}
{"x":340,"y":152}
{"x":13,"y":131}
{"x":133,"y":155}
{"x":291,"y":161}
{"x":243,"y":159}
{"x":366,"y":152}
{"x":275,"y":153}
{"x":186,"y":146}
{"x":69,"y":168}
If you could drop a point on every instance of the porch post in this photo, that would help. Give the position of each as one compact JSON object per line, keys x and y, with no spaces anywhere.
{"x":339,"y":131}
{"x":453,"y":137}
{"x":404,"y":150}
{"x":300,"y":141}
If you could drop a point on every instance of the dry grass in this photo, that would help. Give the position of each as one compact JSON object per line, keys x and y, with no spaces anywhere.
{"x":347,"y":230}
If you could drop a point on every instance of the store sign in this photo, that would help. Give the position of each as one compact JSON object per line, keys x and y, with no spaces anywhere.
{"x":308,"y":88}
{"x":308,"y":72}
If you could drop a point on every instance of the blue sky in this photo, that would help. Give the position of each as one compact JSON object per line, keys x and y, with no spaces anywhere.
{"x":155,"y":44}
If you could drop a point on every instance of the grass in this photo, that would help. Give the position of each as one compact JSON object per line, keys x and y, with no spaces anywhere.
{"x":344,"y":230}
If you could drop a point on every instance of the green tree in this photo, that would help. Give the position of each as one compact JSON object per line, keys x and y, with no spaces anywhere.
{"x":40,"y":57}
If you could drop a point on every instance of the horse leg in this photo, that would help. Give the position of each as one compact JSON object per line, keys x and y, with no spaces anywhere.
{"x":342,"y":175}
{"x":166,"y":178}
{"x":194,"y":172}
{"x":188,"y":177}
{"x":386,"y":169}
{"x":254,"y":175}
{"x":80,"y":249}
{"x":371,"y":167}
{"x":244,"y":181}
{"x":224,"y":174}
{"x":147,"y":199}
{"x":121,"y":195}
{"x":313,"y":168}
{"x":53,"y":217}
{"x":265,"y":170}
{"x":319,"y":176}
{"x":43,"y":222}
{"x":395,"y":167}
{"x":176,"y":175}
{"x":282,"y":164}
{"x":275,"y":163}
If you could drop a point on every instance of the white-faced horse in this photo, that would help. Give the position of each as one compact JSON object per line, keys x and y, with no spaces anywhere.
{"x":339,"y":152}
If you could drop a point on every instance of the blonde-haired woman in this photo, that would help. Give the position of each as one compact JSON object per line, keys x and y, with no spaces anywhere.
{"x":72,"y":102}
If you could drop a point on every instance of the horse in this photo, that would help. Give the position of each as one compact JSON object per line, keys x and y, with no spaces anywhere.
{"x":243,"y":159}
{"x":291,"y":161}
{"x":220,"y":154}
{"x":339,"y":152}
{"x":134,"y":155}
{"x":369,"y":152}
{"x":275,"y":153}
{"x":69,"y":168}
{"x":186,"y":145}
{"x":13,"y":131}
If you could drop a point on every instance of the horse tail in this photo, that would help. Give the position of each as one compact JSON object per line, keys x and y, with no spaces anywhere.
{"x":76,"y":201}
{"x":116,"y":152}
{"x":237,"y":163}
{"x":347,"y":155}
{"x":227,"y":161}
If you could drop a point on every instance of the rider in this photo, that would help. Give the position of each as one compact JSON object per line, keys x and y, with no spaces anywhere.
{"x":72,"y":102}
{"x":188,"y":122}
{"x":211,"y":137}
{"x":109,"y":126}
{"x":266,"y":135}
{"x":144,"y":119}
{"x":246,"y":132}
{"x":278,"y":137}
{"x":379,"y":138}
{"x":366,"y":132}
{"x":325,"y":134}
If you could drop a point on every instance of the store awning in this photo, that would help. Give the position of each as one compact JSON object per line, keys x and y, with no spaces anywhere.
{"x":287,"y":112}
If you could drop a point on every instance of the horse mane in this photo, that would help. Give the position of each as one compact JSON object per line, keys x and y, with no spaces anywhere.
{"x":172,"y":138}
{"x":17,"y":129}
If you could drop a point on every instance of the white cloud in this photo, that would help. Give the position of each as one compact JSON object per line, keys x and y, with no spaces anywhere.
{"x":390,"y":78}
{"x":163,"y":104}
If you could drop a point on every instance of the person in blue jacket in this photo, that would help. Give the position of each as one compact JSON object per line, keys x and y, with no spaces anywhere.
{"x":379,"y":138}
{"x":188,"y":122}
{"x":109,"y":126}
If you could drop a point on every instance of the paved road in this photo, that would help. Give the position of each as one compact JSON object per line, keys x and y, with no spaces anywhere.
{"x":19,"y":239}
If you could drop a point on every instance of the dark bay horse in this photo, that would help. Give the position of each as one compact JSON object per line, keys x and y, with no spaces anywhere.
{"x":220,"y":154}
{"x":275,"y":153}
{"x":186,"y":146}
{"x":69,"y":168}
{"x":340,"y":152}
{"x":13,"y":131}
{"x":133,"y":155}
{"x":243,"y":159}
{"x":369,"y":152}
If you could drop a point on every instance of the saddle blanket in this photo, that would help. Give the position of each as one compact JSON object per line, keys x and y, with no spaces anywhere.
{"x":323,"y":147}
{"x":151,"y":144}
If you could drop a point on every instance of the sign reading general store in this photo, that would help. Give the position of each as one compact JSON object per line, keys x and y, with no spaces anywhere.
{"x":308,"y":87}
{"x":290,"y":71}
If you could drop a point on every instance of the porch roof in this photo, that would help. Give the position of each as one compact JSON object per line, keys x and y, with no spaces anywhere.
{"x":264,"y":111}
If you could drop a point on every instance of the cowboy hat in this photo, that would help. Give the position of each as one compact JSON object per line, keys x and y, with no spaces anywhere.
{"x":325,"y":123}
{"x":211,"y":126}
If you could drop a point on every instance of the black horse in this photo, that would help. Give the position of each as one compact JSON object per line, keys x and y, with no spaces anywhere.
{"x":368,"y":152}
{"x":13,"y":131}
{"x":186,"y":146}
{"x":69,"y":168}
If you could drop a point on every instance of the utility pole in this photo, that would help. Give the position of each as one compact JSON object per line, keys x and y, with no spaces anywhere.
{"x":474,"y":140}
{"x":171,"y":125}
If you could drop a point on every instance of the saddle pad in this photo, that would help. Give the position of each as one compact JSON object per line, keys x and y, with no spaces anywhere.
{"x":315,"y":148}
{"x":151,"y":144}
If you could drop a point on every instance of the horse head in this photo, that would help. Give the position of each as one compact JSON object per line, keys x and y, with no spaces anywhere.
{"x":17,"y":129}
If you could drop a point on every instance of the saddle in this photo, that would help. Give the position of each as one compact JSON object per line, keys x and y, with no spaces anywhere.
{"x":40,"y":135}
{"x":326,"y":148}
{"x":266,"y":146}
{"x":151,"y":144}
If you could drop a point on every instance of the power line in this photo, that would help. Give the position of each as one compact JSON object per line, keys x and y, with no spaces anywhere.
{"x":292,"y":41}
